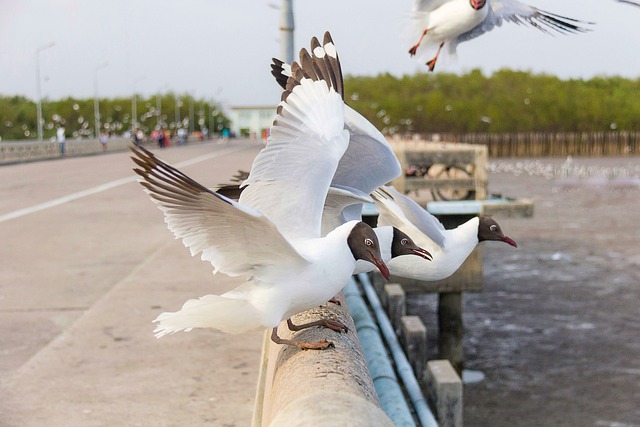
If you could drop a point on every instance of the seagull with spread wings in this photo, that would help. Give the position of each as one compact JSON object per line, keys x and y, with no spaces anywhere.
{"x":272,"y":235}
{"x":436,"y":23}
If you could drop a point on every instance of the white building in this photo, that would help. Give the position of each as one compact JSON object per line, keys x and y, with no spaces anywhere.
{"x":252,"y":121}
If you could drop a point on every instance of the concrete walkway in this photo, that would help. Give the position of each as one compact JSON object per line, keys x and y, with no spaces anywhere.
{"x":79,"y":285}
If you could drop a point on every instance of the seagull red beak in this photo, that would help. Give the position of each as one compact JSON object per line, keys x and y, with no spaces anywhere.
{"x":422,"y":253}
{"x":509,"y":241}
{"x":381,"y":266}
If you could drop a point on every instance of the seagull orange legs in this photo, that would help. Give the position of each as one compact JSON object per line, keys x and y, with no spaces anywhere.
{"x":431,"y":64}
{"x":414,"y":48}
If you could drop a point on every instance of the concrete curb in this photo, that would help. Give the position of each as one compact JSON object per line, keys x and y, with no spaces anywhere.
{"x":298,"y":387}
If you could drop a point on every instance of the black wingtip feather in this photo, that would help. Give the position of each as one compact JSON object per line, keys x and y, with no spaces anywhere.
{"x":326,"y":68}
{"x":163,"y":179}
{"x":277,"y":70}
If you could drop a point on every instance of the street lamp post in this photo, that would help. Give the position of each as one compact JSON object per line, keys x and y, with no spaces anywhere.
{"x":211,"y":118}
{"x":96,"y":103}
{"x":159,"y":111}
{"x":134,"y":106}
{"x":191,"y":118}
{"x":38,"y":95}
{"x":159,"y":105}
{"x":177,"y":110}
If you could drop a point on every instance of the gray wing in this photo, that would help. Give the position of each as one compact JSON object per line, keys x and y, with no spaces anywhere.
{"x":368,"y":149}
{"x":399,"y":207}
{"x":369,"y":161}
{"x":343,"y":204}
{"x":522,"y":14}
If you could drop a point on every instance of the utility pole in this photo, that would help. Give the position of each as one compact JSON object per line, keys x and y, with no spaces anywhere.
{"x":286,"y":31}
{"x":134,"y":105}
{"x":38,"y":95}
{"x":96,"y":103}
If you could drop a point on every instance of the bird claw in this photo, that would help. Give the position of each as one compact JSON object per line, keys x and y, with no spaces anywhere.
{"x":413,"y":50}
{"x":335,"y":300}
{"x":432,"y":64}
{"x":334,"y":325}
{"x":317,"y":345}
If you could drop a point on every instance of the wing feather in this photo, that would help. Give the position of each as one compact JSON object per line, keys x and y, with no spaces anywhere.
{"x":400,"y":211}
{"x":522,"y":14}
{"x":292,"y":174}
{"x":235,"y":239}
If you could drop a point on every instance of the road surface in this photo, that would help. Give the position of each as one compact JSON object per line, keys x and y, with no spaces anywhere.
{"x":87,"y":264}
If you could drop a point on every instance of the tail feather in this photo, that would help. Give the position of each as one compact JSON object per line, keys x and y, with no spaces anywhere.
{"x":210,"y":311}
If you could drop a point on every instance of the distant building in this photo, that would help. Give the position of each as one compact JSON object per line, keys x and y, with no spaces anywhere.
{"x":252,"y":121}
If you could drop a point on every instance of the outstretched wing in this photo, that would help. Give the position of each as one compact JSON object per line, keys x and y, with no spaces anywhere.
{"x":343,"y":204}
{"x":522,"y":14}
{"x":403,"y":213}
{"x":290,"y":177}
{"x":234,"y":238}
{"x":369,"y":161}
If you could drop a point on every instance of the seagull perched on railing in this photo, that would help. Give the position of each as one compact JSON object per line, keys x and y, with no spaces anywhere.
{"x":437,"y":23}
{"x":449,"y":248}
{"x":272,"y":235}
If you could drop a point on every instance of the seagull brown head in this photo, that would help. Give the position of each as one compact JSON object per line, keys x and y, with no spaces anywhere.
{"x":488,"y":229}
{"x":364,"y":245}
{"x":403,"y":245}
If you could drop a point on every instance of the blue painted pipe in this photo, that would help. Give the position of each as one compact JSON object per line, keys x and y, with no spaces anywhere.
{"x":389,"y":391}
{"x":425,"y":416}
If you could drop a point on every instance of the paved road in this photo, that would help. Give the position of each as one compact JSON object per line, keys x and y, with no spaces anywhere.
{"x":87,"y":263}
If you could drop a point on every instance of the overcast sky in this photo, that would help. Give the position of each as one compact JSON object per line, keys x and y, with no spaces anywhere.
{"x":222,"y":48}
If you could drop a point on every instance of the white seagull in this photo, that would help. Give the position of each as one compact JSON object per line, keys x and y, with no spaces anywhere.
{"x":449,"y":248}
{"x":451,"y":22}
{"x":273,"y":234}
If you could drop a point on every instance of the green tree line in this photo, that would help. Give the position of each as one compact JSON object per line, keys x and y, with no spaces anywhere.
{"x":507,"y":101}
{"x":18,"y":117}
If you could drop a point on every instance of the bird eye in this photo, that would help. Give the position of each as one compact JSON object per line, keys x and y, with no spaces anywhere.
{"x":368,"y":242}
{"x":404,"y":241}
{"x":493,"y":227}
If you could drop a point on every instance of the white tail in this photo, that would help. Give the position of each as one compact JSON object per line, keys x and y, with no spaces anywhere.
{"x":210,"y":311}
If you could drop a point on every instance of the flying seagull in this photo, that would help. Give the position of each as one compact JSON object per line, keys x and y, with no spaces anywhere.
{"x":272,"y":235}
{"x":437,"y":23}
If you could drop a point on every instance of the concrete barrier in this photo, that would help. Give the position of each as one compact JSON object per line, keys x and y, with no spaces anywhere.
{"x":22,"y":151}
{"x":445,"y":392}
{"x":330,"y":387}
